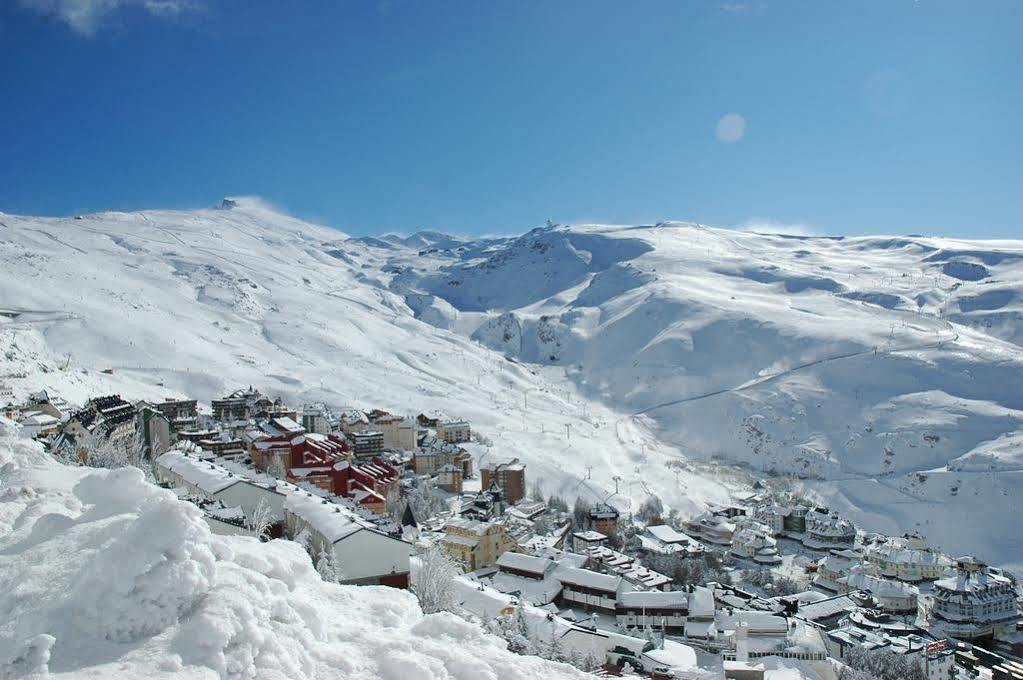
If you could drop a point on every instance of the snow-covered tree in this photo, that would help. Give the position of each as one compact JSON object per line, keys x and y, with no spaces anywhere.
{"x":327,"y":567}
{"x":433,"y":581}
{"x":650,"y":510}
{"x":276,"y":467}
{"x":880,"y":664}
{"x":102,"y":452}
{"x":555,"y":650}
{"x":305,"y":539}
{"x":557,"y":503}
{"x":426,"y":500}
{"x":262,"y":521}
{"x":581,"y":514}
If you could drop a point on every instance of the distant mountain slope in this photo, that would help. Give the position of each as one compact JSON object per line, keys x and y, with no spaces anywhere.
{"x":883,"y":371}
{"x":878,"y":364}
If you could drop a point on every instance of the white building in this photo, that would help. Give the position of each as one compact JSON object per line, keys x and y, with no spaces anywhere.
{"x":754,"y":541}
{"x":935,"y":658}
{"x":205,"y":479}
{"x":907,"y":559}
{"x":315,"y":418}
{"x":454,"y":431}
{"x":399,"y":432}
{"x":972,"y":602}
{"x":584,"y":540}
{"x":36,"y":423}
{"x":362,"y":554}
{"x":657,"y":609}
{"x":833,"y":570}
{"x":590,"y":590}
{"x":892,"y":596}
{"x":772,"y":515}
{"x":664,"y":540}
{"x":711,"y":528}
{"x":826,"y":530}
{"x":701,"y":622}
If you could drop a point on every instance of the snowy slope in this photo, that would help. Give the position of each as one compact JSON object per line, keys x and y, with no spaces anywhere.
{"x":883,"y":371}
{"x":105,"y":575}
{"x":199,"y":303}
{"x":887,"y":366}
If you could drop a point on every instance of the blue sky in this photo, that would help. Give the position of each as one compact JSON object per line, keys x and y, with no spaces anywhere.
{"x":490,"y":117}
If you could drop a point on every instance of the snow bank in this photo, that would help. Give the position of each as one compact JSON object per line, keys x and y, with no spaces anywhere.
{"x":102,"y":573}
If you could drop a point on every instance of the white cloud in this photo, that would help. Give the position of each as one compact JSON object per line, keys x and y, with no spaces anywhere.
{"x":767,"y":226}
{"x":730,"y":128}
{"x":87,"y":16}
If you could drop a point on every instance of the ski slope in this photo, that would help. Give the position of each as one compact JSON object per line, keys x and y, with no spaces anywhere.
{"x":881,"y":372}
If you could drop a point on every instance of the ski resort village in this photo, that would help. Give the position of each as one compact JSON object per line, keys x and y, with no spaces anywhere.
{"x":767,"y":585}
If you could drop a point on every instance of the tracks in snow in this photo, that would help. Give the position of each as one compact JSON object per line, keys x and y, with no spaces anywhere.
{"x":756,"y":382}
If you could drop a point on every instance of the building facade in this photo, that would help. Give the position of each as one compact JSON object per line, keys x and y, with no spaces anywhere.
{"x":510,"y":476}
{"x":974,"y":602}
{"x":475,"y":544}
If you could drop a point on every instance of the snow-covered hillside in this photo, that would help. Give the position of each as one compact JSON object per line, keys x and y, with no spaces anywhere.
{"x":883,"y":371}
{"x":104,"y":575}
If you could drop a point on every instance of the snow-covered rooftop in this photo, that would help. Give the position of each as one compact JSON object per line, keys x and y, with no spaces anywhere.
{"x":655,"y":599}
{"x":527,"y":563}
{"x":209,"y":477}
{"x":668,"y":534}
{"x":334,"y":522}
{"x":590,"y":579}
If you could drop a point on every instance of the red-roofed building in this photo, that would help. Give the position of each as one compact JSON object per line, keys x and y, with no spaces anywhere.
{"x":282,"y":453}
{"x":326,"y":462}
{"x":372,"y":484}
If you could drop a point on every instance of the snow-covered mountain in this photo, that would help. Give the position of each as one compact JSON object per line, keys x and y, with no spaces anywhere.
{"x":883,"y":371}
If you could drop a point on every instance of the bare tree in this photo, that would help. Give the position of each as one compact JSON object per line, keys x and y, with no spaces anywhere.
{"x":433,"y":581}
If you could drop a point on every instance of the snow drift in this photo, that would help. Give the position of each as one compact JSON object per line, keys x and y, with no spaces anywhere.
{"x":101,"y":571}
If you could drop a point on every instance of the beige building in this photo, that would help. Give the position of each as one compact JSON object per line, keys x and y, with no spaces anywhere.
{"x":399,"y":433}
{"x":454,"y":431}
{"x":476,"y":544}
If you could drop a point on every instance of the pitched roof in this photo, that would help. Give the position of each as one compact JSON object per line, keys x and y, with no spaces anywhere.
{"x":527,"y":563}
{"x":590,"y":579}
